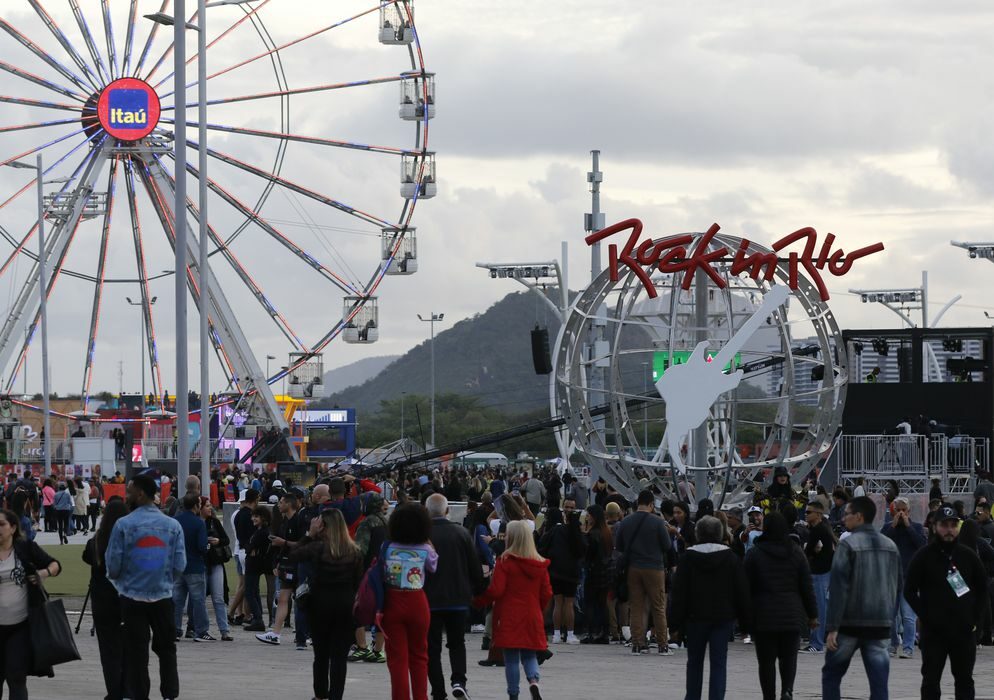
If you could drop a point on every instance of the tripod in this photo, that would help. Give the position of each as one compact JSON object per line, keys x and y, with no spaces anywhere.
{"x":82,"y":612}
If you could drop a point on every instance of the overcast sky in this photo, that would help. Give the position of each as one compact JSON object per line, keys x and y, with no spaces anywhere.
{"x":867,"y":120}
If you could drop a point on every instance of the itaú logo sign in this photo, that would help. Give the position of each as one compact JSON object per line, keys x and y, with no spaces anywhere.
{"x":128,"y":109}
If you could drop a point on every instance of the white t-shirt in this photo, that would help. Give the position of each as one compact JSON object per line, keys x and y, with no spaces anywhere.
{"x":495,"y":526}
{"x":858,"y":491}
{"x":13,"y":592}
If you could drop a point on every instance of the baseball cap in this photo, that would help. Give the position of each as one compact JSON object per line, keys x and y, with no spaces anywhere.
{"x":946,"y":513}
{"x":735,"y":512}
{"x":277,"y":484}
{"x":755,"y":509}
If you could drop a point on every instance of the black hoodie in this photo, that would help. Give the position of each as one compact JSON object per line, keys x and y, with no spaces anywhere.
{"x":780,"y":583}
{"x":709,"y":586}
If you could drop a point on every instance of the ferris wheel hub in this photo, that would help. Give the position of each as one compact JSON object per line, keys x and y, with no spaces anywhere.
{"x":128,"y":109}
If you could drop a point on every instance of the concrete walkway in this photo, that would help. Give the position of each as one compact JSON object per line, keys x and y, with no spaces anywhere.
{"x":247,"y":668}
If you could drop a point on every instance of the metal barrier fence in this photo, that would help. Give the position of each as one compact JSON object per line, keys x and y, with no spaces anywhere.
{"x":913,"y":460}
{"x":166,"y":448}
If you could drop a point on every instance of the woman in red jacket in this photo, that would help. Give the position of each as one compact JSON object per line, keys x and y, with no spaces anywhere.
{"x":520,"y":591}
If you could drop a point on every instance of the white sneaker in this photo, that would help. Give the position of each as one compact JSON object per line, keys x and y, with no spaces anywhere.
{"x":747,"y":639}
{"x":556,"y":639}
{"x":268,"y":638}
{"x":572,"y":638}
{"x":626,"y":633}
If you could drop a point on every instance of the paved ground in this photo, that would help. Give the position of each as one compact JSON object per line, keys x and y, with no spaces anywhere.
{"x":246,"y":668}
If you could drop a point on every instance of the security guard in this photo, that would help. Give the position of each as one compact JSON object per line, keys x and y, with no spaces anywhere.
{"x":947,"y":588}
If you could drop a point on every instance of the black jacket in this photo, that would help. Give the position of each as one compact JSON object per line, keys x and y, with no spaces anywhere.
{"x":710,"y":585}
{"x":780,"y":584}
{"x":459,"y":576}
{"x":333,"y":582}
{"x":820,"y":558}
{"x":932,"y":598}
{"x":565,"y":549}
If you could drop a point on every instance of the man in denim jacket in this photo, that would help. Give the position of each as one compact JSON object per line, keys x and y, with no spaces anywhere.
{"x":144,"y":556}
{"x":862,"y":595}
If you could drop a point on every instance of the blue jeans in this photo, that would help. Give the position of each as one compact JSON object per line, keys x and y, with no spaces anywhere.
{"x":820,"y":582}
{"x":526,"y":657}
{"x":194,"y":585}
{"x":904,"y":622}
{"x":215,"y":587}
{"x":875,"y":660}
{"x":713,"y":637}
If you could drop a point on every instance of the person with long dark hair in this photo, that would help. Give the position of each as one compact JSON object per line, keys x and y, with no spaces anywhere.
{"x":336,"y":569}
{"x":782,"y":599}
{"x":217,"y":555}
{"x":106,"y":604}
{"x":23,"y":567}
{"x":599,"y":548}
{"x":407,"y":557}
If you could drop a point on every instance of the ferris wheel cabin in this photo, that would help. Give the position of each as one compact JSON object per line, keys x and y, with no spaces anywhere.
{"x":395,"y":24}
{"x":417,"y":176}
{"x":405,"y":260}
{"x":305,"y":379}
{"x":417,"y":91}
{"x":364,"y":327}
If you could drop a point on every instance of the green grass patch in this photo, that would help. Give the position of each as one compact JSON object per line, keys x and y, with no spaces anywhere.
{"x":75,"y":576}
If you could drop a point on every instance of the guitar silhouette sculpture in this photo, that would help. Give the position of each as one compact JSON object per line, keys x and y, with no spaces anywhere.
{"x":691,"y":389}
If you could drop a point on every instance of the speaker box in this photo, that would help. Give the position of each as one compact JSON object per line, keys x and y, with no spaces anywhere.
{"x":540,"y":351}
{"x":905,"y":363}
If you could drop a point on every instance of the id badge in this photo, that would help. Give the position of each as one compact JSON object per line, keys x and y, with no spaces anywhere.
{"x":957,"y":583}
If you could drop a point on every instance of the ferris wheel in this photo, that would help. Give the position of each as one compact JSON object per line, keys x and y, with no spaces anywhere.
{"x":306,"y":218}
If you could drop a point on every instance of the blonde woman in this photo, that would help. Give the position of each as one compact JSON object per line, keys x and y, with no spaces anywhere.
{"x":520,"y":591}
{"x":336,"y":569}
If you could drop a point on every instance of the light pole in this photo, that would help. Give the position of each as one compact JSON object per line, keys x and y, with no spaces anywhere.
{"x":268,"y":358}
{"x":43,"y":302}
{"x":645,"y":407}
{"x":434,"y":318}
{"x":142,"y":328}
{"x":177,"y":20}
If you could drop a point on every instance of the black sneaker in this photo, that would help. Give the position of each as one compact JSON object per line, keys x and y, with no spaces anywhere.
{"x":536,"y":693}
{"x":205,"y":637}
{"x":190,"y":634}
{"x":254,"y":627}
{"x":459,"y":692}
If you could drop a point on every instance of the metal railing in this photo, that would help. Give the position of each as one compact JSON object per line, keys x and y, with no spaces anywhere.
{"x":914,"y":460}
{"x":166,"y":448}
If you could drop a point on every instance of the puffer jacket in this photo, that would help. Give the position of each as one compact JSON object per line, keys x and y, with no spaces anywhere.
{"x":866,"y":576}
{"x":710,"y":585}
{"x":520,"y":591}
{"x":780,"y":586}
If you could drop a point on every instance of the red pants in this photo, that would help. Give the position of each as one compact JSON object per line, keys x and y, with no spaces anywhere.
{"x":405,"y":624}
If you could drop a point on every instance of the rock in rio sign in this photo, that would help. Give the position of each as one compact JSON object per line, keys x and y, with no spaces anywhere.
{"x":670,"y":255}
{"x":128,"y":109}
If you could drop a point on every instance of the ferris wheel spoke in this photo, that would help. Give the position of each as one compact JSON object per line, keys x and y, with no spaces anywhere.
{"x":281,"y":238}
{"x":300,"y":138}
{"x":248,"y":14}
{"x":42,"y":147}
{"x":38,"y":80}
{"x":278,"y":318}
{"x":299,"y":91}
{"x":166,"y":53}
{"x":277,"y":49}
{"x":36,"y":125}
{"x":98,"y":288}
{"x":91,"y":44}
{"x":39,"y":103}
{"x":148,"y":325}
{"x":294,"y":187}
{"x":60,"y":36}
{"x":148,"y":42}
{"x":109,"y":34}
{"x":129,"y":40}
{"x":51,"y":62}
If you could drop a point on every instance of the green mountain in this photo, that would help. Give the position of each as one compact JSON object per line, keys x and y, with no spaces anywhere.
{"x":487,"y":356}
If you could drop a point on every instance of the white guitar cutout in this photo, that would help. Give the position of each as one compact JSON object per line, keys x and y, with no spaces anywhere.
{"x":691,"y":389}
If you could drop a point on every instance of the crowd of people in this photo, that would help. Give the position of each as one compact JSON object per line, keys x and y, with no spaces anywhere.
{"x":375,"y":570}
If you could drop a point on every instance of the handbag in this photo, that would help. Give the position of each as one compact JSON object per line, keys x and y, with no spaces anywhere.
{"x":52,"y":641}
